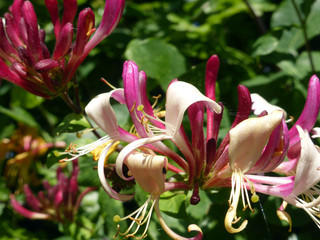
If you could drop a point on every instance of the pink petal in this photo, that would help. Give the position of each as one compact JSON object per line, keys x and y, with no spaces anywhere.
{"x":310,"y":111}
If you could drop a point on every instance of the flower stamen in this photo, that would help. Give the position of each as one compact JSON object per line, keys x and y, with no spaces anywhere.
{"x":140,"y":219}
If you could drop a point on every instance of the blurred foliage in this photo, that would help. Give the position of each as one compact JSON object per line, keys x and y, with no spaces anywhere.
{"x":272,"y":47}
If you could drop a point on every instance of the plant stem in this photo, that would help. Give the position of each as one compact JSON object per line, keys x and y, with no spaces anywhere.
{"x":94,"y":131}
{"x":305,"y":35}
{"x":76,"y":109}
{"x":258,"y":20}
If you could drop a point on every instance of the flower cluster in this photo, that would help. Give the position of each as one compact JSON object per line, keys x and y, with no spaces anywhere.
{"x":253,"y":148}
{"x":59,"y":203}
{"x":25,"y":59}
{"x":19,"y":154}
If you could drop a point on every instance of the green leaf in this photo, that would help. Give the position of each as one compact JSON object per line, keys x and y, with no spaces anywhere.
{"x":303,"y":61}
{"x":88,"y":173}
{"x":72,"y":123}
{"x":313,"y":19}
{"x":173,"y":204}
{"x":290,"y":41}
{"x":24,"y":99}
{"x":53,"y":157}
{"x":265,"y":45}
{"x":19,"y":115}
{"x":109,"y":208}
{"x":286,"y":14}
{"x":262,"y":80}
{"x":290,"y":68}
{"x":160,"y":60}
{"x":200,"y":210}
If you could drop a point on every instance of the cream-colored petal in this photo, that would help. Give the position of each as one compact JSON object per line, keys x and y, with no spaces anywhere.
{"x":308,"y":168}
{"x":259,"y":104}
{"x":149,"y":171}
{"x":248,"y":139}
{"x":180,"y":95}
{"x":100,"y":111}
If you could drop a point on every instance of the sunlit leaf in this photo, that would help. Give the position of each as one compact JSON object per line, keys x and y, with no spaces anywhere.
{"x":160,"y":60}
{"x":286,"y":14}
{"x":173,"y":204}
{"x":265,"y":45}
{"x":313,"y":19}
{"x":72,"y":123}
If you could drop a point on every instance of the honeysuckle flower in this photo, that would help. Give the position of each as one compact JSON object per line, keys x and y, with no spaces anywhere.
{"x":25,"y":59}
{"x":305,"y":193}
{"x":252,"y":148}
{"x":20,"y":153}
{"x":303,"y":160}
{"x":57,"y":203}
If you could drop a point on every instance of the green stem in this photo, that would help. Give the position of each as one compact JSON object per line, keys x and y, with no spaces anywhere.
{"x":94,"y":131}
{"x":305,"y":35}
{"x":258,"y":20}
{"x":70,"y":103}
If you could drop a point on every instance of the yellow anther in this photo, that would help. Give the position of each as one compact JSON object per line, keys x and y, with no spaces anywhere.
{"x":97,"y":151}
{"x":133,"y":107}
{"x":254,"y":198}
{"x":140,"y":107}
{"x":116,"y":218}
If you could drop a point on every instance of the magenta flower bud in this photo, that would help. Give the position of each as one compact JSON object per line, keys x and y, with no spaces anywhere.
{"x":64,"y":42}
{"x":19,"y":69}
{"x":31,"y":21}
{"x":12,"y":31}
{"x":24,"y":55}
{"x":25,"y":212}
{"x":5,"y":45}
{"x":46,"y":65}
{"x":58,"y":198}
{"x":69,"y":11}
{"x":23,"y":33}
{"x":73,"y":183}
{"x":7,"y":73}
{"x":45,"y":52}
{"x":31,"y":199}
{"x":110,"y":19}
{"x":52,"y":6}
{"x":16,"y":11}
{"x":85,"y":25}
{"x":244,"y":106}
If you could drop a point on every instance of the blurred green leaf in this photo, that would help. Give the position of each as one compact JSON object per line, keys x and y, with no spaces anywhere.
{"x":286,"y":14}
{"x":109,"y":208}
{"x":225,"y":9}
{"x":313,"y":19}
{"x":24,"y":99}
{"x":72,"y":123}
{"x":88,"y":173}
{"x":160,"y":60}
{"x":291,"y":69}
{"x":19,"y":115}
{"x":303,"y":61}
{"x":265,"y":45}
{"x":290,"y":41}
{"x":261,"y":80}
{"x":53,"y":157}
